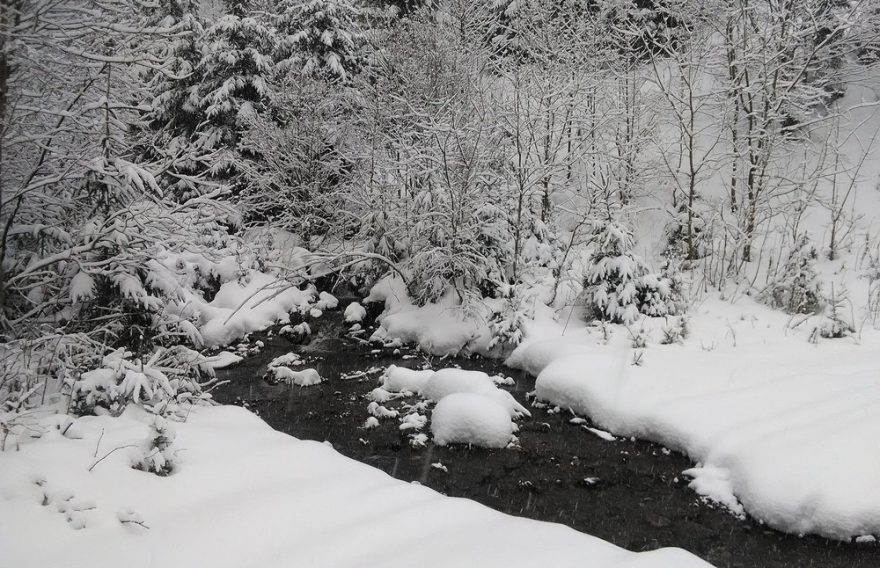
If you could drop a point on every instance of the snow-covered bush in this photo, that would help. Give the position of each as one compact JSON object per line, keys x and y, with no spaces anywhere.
{"x":321,"y":38}
{"x":797,"y":289}
{"x":617,"y":286}
{"x":158,"y":449}
{"x":611,"y":281}
{"x":167,"y":380}
{"x":301,"y":161}
{"x":871,"y":272}
{"x":675,"y":331}
{"x":508,"y":323}
{"x":833,"y":323}
{"x":657,"y":295}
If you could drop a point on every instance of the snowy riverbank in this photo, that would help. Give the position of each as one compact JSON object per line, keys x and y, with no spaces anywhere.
{"x":245,"y":495}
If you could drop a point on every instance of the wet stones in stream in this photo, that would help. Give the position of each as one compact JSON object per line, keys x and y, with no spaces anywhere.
{"x":628,"y":492}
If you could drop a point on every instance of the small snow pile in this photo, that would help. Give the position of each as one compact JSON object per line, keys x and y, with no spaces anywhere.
{"x":304,"y":378}
{"x":288,"y":360}
{"x":468,"y":422}
{"x":326,"y":301}
{"x":299,"y":330}
{"x":378,"y":411}
{"x":400,"y":379}
{"x":223,"y":359}
{"x":470,"y":418}
{"x":354,"y":313}
{"x":279,"y":370}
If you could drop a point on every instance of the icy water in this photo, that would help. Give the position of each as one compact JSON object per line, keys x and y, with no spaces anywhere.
{"x":628,"y":492}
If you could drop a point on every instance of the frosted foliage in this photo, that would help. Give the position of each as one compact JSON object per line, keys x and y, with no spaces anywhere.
{"x":618,"y":286}
{"x":160,"y":384}
{"x":321,"y":38}
{"x":797,"y":289}
{"x":611,"y":278}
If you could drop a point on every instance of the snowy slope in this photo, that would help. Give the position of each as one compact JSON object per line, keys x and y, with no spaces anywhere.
{"x":246,"y":495}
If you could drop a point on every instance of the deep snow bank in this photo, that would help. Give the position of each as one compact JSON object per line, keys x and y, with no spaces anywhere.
{"x":438,"y":329}
{"x":246,"y":495}
{"x":787,"y":427}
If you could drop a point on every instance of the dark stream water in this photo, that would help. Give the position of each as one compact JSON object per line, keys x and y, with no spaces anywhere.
{"x":630,"y":493}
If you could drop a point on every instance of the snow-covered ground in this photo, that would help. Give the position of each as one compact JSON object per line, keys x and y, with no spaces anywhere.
{"x":783,"y":427}
{"x":242,"y":494}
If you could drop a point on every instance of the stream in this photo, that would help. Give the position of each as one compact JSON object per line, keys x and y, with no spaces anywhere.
{"x":628,"y":492}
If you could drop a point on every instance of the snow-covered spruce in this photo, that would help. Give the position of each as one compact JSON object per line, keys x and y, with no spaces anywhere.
{"x":617,"y":285}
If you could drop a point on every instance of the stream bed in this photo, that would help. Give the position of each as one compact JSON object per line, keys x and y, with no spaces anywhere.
{"x":628,"y":492}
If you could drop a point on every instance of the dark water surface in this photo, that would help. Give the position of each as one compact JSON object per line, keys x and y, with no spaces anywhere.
{"x":630,"y":493}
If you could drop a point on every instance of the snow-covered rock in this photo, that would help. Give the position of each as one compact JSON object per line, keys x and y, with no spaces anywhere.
{"x":471,"y":418}
{"x":400,"y":379}
{"x":240,"y":308}
{"x":304,"y":378}
{"x":326,"y":301}
{"x":354,"y":313}
{"x":450,"y":381}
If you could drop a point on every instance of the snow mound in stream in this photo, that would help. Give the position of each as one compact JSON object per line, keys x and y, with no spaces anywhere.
{"x":471,"y":409}
{"x":400,"y":379}
{"x":354,"y":313}
{"x":471,"y":418}
{"x":446,"y":382}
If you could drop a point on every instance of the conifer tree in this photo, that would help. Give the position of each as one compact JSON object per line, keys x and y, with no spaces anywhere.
{"x":322,"y":38}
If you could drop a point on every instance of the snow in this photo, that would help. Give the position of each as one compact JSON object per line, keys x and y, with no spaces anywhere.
{"x":471,"y":421}
{"x":354,"y":313}
{"x":714,"y":483}
{"x":223,"y":359}
{"x":303,"y":378}
{"x":779,"y":425}
{"x":400,"y":379}
{"x":287,"y":360}
{"x":413,"y":421}
{"x":446,"y":382}
{"x":240,"y":308}
{"x":470,"y":418}
{"x":243,"y":494}
{"x":437,"y":328}
{"x":381,"y":412}
{"x":301,"y":329}
{"x":326,"y":301}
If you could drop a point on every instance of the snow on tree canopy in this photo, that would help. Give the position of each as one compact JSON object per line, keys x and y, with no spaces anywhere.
{"x":319,"y":37}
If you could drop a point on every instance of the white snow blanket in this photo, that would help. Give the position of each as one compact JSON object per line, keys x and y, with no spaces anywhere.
{"x":787,"y":428}
{"x":239,"y":309}
{"x":244,"y":495}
